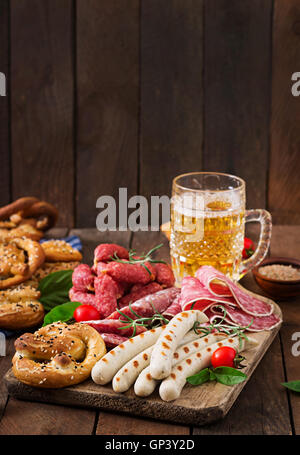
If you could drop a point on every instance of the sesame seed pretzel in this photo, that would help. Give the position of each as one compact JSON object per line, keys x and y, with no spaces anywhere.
{"x":57,"y":355}
{"x":20,"y":308}
{"x":19,"y":260}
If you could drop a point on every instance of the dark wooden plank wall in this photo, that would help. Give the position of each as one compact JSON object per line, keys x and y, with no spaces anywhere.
{"x":4,"y":106}
{"x":131,"y":93}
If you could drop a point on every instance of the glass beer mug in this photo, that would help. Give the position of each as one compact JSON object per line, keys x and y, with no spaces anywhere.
{"x":208,"y":225}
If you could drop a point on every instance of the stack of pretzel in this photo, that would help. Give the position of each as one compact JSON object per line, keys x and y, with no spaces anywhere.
{"x":24,"y":261}
{"x":26,"y":217}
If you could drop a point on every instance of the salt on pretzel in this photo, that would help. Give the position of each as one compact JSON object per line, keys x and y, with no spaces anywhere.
{"x":60,"y":251}
{"x":19,"y":260}
{"x":20,"y":308}
{"x":57,"y":355}
{"x":23,"y":230}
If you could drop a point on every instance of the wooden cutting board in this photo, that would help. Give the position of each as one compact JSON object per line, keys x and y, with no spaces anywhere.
{"x":197,"y":405}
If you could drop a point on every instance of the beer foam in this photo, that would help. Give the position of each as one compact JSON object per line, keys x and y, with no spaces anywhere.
{"x":196,"y":204}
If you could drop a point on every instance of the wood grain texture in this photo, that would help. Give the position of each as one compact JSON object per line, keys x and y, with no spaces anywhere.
{"x":107,"y":102}
{"x":42,"y":102}
{"x":5,"y":364}
{"x":285,"y":242}
{"x":237,"y":91}
{"x":4,"y":106}
{"x":117,"y":424}
{"x":284,"y":183}
{"x":171,"y":130}
{"x":40,"y":418}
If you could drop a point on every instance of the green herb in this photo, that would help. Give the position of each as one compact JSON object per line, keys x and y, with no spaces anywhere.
{"x":63,"y":313}
{"x":229,"y":376}
{"x":224,"y":375}
{"x":54,"y":288}
{"x":292,"y":385}
{"x":200,"y":378}
{"x":221,"y":327}
{"x":141,"y":260}
{"x":154,"y":321}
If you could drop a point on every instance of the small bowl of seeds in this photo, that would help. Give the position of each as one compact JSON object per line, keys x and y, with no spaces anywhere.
{"x":279,"y":277}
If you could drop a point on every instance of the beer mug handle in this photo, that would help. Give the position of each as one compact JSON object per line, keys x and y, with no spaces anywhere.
{"x":265,"y":220}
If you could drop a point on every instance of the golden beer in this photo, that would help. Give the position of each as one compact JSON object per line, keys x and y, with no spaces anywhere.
{"x":212,"y":235}
{"x":208,"y":222}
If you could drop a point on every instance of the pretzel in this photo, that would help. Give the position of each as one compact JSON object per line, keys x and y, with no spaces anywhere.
{"x":20,"y":308}
{"x":57,"y":355}
{"x":19,"y":260}
{"x":16,"y":206}
{"x":23,"y":230}
{"x":42,"y":209}
{"x":60,"y":251}
{"x":29,"y":210}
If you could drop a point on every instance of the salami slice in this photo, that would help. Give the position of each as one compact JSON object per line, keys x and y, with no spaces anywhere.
{"x":220,"y":285}
{"x":174,"y":308}
{"x":195,"y":296}
{"x":147,"y":306}
{"x":111,"y":340}
{"x":236,"y":317}
{"x":114,"y":326}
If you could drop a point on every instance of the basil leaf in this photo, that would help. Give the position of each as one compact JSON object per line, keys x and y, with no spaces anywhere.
{"x":229,"y":376}
{"x":54,"y":288}
{"x":61,"y":313}
{"x":292,"y":385}
{"x":199,"y":378}
{"x":212,"y":376}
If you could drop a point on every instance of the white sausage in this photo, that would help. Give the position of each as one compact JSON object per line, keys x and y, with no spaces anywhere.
{"x":171,"y":388}
{"x":126,"y":376}
{"x":161,"y":358}
{"x":145,"y":384}
{"x":105,"y":369}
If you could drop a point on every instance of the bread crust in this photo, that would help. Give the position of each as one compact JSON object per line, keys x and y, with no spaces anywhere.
{"x":20,"y":308}
{"x":60,"y":251}
{"x":53,"y":357}
{"x":26,"y":211}
{"x":19,"y":260}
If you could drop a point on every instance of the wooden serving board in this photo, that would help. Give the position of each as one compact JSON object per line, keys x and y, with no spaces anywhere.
{"x":197,"y":405}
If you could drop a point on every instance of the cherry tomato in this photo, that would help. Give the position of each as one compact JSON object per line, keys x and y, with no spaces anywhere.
{"x":86,"y":313}
{"x":223,"y":357}
{"x":249,"y":248}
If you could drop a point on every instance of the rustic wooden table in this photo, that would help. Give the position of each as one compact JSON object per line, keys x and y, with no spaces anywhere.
{"x":263,"y":407}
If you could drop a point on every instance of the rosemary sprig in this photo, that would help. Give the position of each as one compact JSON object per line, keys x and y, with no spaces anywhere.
{"x":150,"y":322}
{"x":221,"y":327}
{"x":142,"y":259}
